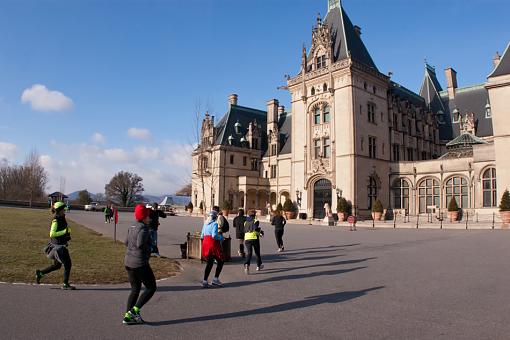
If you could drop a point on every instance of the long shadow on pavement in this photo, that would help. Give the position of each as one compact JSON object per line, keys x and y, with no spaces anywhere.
{"x":301,"y":250}
{"x":308,"y":302}
{"x":177,"y":288}
{"x":338,"y":263}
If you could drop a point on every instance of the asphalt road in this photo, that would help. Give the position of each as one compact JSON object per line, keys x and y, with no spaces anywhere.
{"x":329,"y":284}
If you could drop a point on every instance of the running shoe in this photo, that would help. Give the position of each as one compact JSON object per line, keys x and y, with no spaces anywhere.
{"x":205,"y":284}
{"x":259,"y":268}
{"x":38,"y":276}
{"x":216,"y":282}
{"x":247,"y":269}
{"x":130,"y":318}
{"x":67,"y":286}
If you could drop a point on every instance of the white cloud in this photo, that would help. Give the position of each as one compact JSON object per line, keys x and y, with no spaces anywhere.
{"x":88,"y":166}
{"x":137,"y":133}
{"x":8,"y":152}
{"x":98,"y":138}
{"x":43,"y":99}
{"x":146,"y":153}
{"x":117,"y":155}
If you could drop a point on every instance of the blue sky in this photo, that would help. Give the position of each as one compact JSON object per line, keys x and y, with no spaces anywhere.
{"x":144,"y":65}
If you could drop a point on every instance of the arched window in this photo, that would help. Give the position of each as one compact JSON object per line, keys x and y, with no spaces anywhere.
{"x":317,"y":116}
{"x":204,"y":163}
{"x":324,"y":87}
{"x":401,"y":194}
{"x":326,"y":117}
{"x":372,"y":192}
{"x":489,"y":188}
{"x":457,"y":187}
{"x":428,"y":194}
{"x":313,"y":91}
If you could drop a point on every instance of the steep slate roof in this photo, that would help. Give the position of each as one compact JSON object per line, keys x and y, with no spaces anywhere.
{"x":430,"y":90}
{"x":245,"y":116}
{"x":471,"y":99}
{"x":345,"y":40}
{"x":504,"y":64}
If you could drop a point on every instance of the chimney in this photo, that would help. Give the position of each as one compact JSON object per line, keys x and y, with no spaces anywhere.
{"x":357,"y":30}
{"x":281,"y":110}
{"x":496,"y":60}
{"x":451,"y":80}
{"x":232,"y":99}
{"x":272,"y":111}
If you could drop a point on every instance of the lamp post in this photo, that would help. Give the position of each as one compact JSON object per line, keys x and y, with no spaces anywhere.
{"x":298,"y":198}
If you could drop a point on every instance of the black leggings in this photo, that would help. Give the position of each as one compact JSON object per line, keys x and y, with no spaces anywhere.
{"x":66,"y":261}
{"x":278,"y":233}
{"x":137,"y":276}
{"x":209,"y":265}
{"x":250,"y":246}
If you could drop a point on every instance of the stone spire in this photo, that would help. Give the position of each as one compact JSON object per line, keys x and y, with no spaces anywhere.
{"x":332,"y":4}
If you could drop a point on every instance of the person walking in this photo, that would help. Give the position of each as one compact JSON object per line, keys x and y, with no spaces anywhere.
{"x":155,"y":214}
{"x":279,"y":223}
{"x":107,"y":214}
{"x":252,"y":234}
{"x":138,"y":252}
{"x":212,"y":250}
{"x":60,"y":235}
{"x":239,"y":227}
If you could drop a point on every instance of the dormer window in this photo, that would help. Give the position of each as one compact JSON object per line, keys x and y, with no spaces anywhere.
{"x":237,"y":127}
{"x":243,"y":141}
{"x":456,"y":116}
{"x":230,"y":140}
{"x":320,"y":62}
{"x":488,"y":112}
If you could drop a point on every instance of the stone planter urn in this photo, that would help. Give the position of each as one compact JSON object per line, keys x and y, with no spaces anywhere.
{"x":342,"y":217}
{"x":505,"y":217}
{"x":453,"y":215}
{"x":290,"y":215}
{"x":376,"y":216}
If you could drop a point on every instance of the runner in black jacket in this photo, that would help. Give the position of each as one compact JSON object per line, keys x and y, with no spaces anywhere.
{"x":279,"y":223}
{"x":239,"y":226}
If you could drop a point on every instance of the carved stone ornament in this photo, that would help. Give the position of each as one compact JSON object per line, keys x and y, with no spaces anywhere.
{"x":320,"y":131}
{"x":320,"y":165}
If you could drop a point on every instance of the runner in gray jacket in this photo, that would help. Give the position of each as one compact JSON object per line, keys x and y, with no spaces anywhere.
{"x":138,"y":243}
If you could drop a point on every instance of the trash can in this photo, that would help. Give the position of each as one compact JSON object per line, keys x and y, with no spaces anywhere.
{"x":194,"y":247}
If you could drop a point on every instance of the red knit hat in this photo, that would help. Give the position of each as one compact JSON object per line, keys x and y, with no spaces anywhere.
{"x":141,"y":212}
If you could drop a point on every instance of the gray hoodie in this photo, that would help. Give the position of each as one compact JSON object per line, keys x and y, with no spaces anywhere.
{"x":138,"y":243}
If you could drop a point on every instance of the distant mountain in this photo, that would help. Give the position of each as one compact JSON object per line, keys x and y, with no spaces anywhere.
{"x":74,"y":195}
{"x":178,"y":200}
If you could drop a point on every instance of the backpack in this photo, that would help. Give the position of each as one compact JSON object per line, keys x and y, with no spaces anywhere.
{"x":223,"y":224}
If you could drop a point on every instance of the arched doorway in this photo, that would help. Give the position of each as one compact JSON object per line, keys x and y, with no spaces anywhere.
{"x":321,"y":195}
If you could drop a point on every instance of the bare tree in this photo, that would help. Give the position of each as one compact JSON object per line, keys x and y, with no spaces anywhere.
{"x":26,"y":182}
{"x":36,"y":177}
{"x":124,"y":188}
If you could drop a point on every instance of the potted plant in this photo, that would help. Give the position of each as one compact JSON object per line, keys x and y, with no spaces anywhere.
{"x":349,"y":208}
{"x":288,"y":207}
{"x":377,"y":210}
{"x":504,"y":208}
{"x":189,"y":207}
{"x":201,"y":207}
{"x":342,"y":209}
{"x":225,"y":208}
{"x":453,"y":210}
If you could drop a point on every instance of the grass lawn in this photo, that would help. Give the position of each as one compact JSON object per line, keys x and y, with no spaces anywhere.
{"x":96,"y":259}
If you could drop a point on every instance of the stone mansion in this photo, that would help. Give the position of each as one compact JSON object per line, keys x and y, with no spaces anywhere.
{"x":353,"y":132}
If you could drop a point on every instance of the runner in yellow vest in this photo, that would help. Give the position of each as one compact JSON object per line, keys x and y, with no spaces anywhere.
{"x":252,"y":234}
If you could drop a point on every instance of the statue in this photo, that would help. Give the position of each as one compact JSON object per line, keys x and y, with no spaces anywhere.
{"x":328,"y":219}
{"x":327,"y":210}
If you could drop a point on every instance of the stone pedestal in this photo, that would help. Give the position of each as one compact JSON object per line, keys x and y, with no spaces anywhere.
{"x":329,"y":220}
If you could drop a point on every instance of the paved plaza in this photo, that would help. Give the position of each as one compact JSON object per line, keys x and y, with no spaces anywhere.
{"x":329,"y":284}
